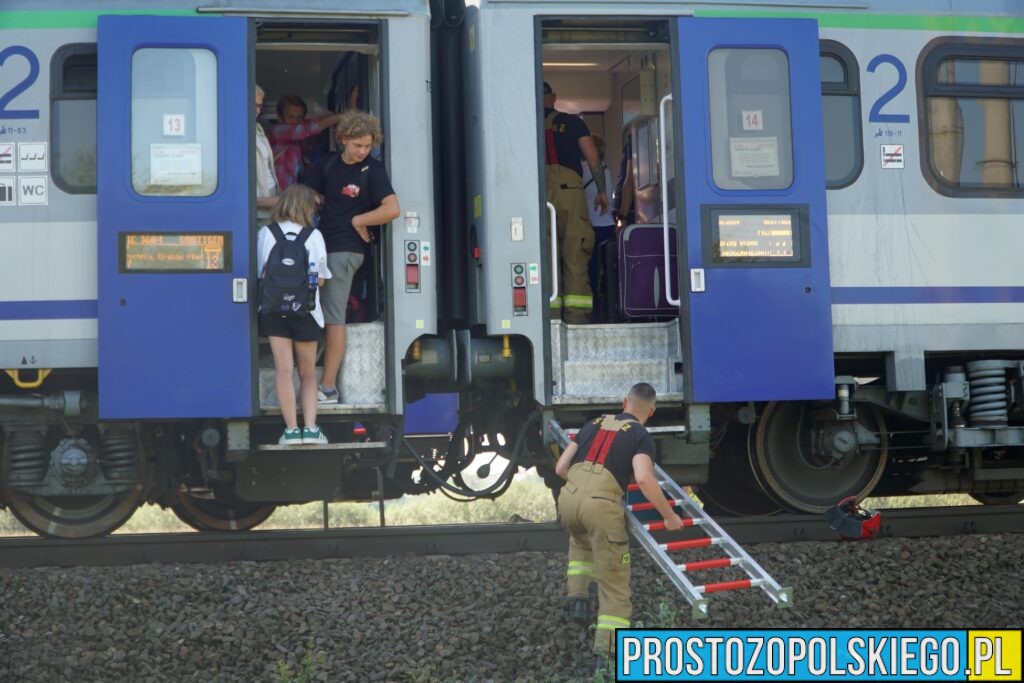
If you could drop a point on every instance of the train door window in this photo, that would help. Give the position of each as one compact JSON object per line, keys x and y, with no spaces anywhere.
{"x":973,"y":110}
{"x":174,"y":122}
{"x":751,"y":133}
{"x":73,"y":118}
{"x":840,"y":99}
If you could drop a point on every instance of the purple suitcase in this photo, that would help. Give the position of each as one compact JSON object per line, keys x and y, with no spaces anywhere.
{"x":641,"y":272}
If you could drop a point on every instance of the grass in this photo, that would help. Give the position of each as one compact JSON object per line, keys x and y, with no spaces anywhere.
{"x":306,"y":670}
{"x":527,"y":499}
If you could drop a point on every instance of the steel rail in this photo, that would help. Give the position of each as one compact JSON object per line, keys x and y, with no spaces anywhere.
{"x":471,"y":539}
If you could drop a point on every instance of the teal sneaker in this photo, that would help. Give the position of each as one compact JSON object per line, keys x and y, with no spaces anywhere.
{"x":313,"y":435}
{"x":290,"y":437}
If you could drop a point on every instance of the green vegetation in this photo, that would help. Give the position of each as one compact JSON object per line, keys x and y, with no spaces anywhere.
{"x":308,"y":667}
{"x":526,"y":500}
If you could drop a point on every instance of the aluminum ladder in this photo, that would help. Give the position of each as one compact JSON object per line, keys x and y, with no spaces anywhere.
{"x":643,"y":520}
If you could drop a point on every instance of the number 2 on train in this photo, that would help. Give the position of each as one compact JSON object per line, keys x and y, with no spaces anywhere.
{"x":876,"y":115}
{"x":20,"y":87}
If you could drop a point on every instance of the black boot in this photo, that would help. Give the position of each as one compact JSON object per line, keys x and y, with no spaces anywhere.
{"x":578,"y":610}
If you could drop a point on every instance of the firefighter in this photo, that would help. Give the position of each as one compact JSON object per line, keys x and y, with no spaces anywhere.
{"x":608,"y":452}
{"x":567,"y":144}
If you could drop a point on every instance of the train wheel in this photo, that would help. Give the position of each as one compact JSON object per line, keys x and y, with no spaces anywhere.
{"x":81,"y":516}
{"x":210,"y":514}
{"x":808,"y":461}
{"x":1009,"y":498}
{"x":732,"y":488}
{"x":74,"y":516}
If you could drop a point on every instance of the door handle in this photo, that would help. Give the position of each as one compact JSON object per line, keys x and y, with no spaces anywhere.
{"x":554,"y":252}
{"x":240,"y":290}
{"x":663,"y":162}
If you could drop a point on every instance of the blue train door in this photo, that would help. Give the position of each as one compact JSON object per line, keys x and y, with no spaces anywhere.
{"x":757,"y":309}
{"x":174,"y":133}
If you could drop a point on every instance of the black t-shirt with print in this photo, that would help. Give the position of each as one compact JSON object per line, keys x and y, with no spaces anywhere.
{"x":568,"y":130}
{"x":629,"y":441}
{"x":348,"y":190}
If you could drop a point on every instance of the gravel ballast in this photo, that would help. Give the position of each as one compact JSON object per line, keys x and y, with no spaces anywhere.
{"x":471,"y":618}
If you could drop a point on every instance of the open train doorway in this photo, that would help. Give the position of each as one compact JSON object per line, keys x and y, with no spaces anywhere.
{"x":608,"y":75}
{"x":309,"y":73}
{"x":601,"y":82}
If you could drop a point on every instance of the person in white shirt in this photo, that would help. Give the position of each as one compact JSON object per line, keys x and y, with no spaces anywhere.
{"x":295,"y":336}
{"x":266,"y":179}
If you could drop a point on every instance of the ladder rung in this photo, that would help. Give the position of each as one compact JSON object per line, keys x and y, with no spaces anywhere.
{"x":660,"y":526}
{"x":640,"y":507}
{"x":708,"y":564}
{"x":729,"y":585}
{"x":636,"y":487}
{"x":691,"y":543}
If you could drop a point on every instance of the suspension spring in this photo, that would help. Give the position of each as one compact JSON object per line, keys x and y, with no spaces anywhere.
{"x":990,"y":398}
{"x":28,"y":462}
{"x":119,"y":455}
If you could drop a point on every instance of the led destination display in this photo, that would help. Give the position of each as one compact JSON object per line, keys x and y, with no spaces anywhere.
{"x":168,"y":251}
{"x":755,"y":236}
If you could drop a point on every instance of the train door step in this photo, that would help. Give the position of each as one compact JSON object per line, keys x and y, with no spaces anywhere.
{"x":322,"y":447}
{"x":644,"y":521}
{"x":599,"y":363}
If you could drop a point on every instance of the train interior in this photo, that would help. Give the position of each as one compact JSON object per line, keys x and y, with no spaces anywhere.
{"x":332,"y":67}
{"x":613,"y":73}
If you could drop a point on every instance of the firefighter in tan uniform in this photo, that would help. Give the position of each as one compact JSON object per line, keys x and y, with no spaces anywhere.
{"x":567,"y":144}
{"x":607,"y":453}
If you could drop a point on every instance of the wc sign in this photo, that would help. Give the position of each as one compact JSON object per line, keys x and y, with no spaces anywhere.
{"x":32,"y":190}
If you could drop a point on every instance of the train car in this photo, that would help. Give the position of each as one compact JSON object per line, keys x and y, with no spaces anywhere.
{"x":839,"y":192}
{"x":133,"y":369}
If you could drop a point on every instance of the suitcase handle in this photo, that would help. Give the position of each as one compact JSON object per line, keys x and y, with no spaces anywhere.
{"x":554,"y":252}
{"x":664,"y":199}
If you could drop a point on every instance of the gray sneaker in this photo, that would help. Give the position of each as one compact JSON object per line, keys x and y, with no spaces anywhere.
{"x":327,"y":395}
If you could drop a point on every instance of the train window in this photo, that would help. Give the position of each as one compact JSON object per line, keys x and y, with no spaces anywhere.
{"x":174,"y":122}
{"x":973,"y":110}
{"x":840,"y":99}
{"x":73,"y":118}
{"x":751,"y":132}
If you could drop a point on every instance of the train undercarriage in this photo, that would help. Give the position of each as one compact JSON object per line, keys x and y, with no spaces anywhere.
{"x":65,"y":474}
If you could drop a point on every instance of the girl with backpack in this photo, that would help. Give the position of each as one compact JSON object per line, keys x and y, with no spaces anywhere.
{"x":292,"y":265}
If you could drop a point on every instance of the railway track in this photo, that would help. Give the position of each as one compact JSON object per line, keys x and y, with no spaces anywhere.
{"x":472,"y":539}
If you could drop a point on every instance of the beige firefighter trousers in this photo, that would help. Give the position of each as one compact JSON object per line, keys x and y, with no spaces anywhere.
{"x":575,"y":244}
{"x":590,"y":506}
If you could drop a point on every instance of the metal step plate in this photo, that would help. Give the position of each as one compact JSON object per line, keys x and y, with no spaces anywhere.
{"x":363,"y":386}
